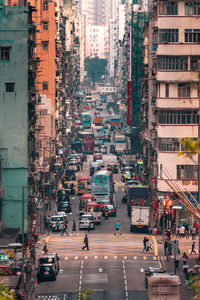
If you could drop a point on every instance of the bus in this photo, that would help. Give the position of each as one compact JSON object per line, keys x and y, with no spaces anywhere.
{"x":86,"y":120}
{"x":137,"y":195}
{"x":88,"y":141}
{"x":84,"y":185}
{"x":103,"y":186}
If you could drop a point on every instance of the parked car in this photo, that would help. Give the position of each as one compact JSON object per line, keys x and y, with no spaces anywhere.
{"x":103,"y":149}
{"x":85,"y":220}
{"x":46,"y":272}
{"x":113,"y":167}
{"x":65,"y":206}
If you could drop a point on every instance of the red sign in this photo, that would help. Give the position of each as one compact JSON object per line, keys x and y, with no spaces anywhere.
{"x":129,"y":103}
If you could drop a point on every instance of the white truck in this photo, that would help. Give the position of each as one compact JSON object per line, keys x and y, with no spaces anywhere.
{"x":139,"y":218}
{"x":164,"y":286}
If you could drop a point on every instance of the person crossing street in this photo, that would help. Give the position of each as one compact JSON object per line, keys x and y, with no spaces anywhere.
{"x":86,"y":243}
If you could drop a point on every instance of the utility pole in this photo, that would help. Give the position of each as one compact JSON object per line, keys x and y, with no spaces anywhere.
{"x":23,"y":188}
{"x":50,"y":175}
{"x":199,"y":161}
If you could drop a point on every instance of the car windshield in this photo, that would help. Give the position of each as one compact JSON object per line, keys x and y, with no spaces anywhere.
{"x":64,"y":204}
{"x":56,"y":219}
{"x":109,"y":206}
{"x":46,"y":260}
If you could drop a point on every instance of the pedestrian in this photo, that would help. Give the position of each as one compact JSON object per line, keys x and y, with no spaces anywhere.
{"x":74,"y":227}
{"x":33,"y":254}
{"x":194,"y":233}
{"x":81,"y":165}
{"x":58,"y":226}
{"x":185,"y":258}
{"x":89,"y":226}
{"x":177,"y":259}
{"x":86,"y":243}
{"x":182,"y":231}
{"x":145,"y":243}
{"x":117,"y":228}
{"x":165,"y":247}
{"x":28,"y":270}
{"x":178,"y":231}
{"x":45,"y":249}
{"x":193,"y":248}
{"x":185,"y":271}
{"x":64,"y":229}
{"x":195,"y":225}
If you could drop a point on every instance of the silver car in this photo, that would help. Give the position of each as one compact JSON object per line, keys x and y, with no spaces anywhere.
{"x":86,"y":221}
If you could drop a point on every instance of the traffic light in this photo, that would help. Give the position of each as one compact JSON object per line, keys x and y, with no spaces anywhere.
{"x":166,"y":212}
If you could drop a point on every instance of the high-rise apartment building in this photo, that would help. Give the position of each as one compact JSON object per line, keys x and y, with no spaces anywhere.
{"x":89,"y":9}
{"x":97,"y":41}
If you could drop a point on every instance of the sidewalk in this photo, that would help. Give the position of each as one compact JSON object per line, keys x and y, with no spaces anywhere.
{"x":184,"y":246}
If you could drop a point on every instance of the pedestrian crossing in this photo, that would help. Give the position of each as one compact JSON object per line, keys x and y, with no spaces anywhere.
{"x":100,"y":245}
{"x":112,"y":257}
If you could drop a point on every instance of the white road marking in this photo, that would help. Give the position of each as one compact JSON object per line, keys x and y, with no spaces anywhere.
{"x":80,"y":280}
{"x":125,"y":281}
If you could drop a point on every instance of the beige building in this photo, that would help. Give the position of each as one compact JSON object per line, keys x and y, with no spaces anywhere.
{"x":97,"y":41}
{"x":176,"y":64}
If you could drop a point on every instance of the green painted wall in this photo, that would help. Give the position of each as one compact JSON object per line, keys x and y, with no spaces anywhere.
{"x":14,"y":113}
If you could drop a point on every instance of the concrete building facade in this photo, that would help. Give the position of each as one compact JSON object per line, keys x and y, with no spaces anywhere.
{"x":17,"y":113}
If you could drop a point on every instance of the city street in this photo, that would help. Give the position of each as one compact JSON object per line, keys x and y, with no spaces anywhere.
{"x":114,"y":265}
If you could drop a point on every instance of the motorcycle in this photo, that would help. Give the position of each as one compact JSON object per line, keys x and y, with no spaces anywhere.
{"x":106,"y":214}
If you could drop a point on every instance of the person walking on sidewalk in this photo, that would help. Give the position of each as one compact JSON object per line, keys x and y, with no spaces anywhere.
{"x":194,"y":233}
{"x":185,"y":272}
{"x":33,"y":254}
{"x":86,"y":243}
{"x":177,"y":259}
{"x":145,"y":243}
{"x":182,"y":231}
{"x":74,"y":227}
{"x":193,"y":248}
{"x":117,"y":228}
{"x":185,"y":258}
{"x":28,"y":270}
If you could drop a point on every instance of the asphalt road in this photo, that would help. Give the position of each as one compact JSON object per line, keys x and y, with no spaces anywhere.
{"x":112,"y":268}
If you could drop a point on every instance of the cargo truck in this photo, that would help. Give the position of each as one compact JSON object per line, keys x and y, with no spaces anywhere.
{"x":139,"y":220}
{"x":164,"y":286}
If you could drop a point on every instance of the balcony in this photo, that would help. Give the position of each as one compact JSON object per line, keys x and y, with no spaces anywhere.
{"x":186,"y":103}
{"x":177,"y":76}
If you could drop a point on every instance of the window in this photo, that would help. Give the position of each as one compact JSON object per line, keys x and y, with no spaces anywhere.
{"x":172,"y":62}
{"x":178,"y":117}
{"x":10,"y":87}
{"x":45,"y":25}
{"x":192,"y":35}
{"x":168,"y":144}
{"x":168,"y":8}
{"x":5,"y":53}
{"x":168,"y":35}
{"x":45,"y":85}
{"x":187,"y":172}
{"x":167,"y":90}
{"x":192,"y":8}
{"x":45,"y":5}
{"x":195,"y":62}
{"x":45,"y":45}
{"x":183,"y":90}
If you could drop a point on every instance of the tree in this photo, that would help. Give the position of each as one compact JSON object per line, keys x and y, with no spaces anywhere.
{"x":191,"y":147}
{"x":95,"y":67}
{"x":85,"y":294}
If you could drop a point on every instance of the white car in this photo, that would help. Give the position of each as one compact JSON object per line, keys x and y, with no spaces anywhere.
{"x":100,"y":162}
{"x":85,"y":220}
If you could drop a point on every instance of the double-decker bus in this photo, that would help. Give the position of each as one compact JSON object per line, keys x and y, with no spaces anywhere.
{"x":86,"y":120}
{"x":103,"y":186}
{"x":88,"y":141}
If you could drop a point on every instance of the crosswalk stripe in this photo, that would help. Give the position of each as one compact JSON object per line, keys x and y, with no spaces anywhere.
{"x":105,"y":257}
{"x":144,"y":257}
{"x":66,"y":258}
{"x":76,"y":257}
{"x":125,"y":257}
{"x":115,"y":257}
{"x":95,"y":257}
{"x":86,"y":257}
{"x":134,"y":257}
